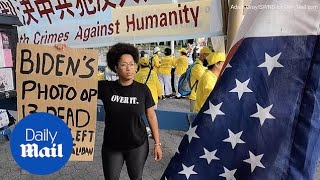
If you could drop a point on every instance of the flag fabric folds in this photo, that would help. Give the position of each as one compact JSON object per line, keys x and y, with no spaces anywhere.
{"x":262,"y":120}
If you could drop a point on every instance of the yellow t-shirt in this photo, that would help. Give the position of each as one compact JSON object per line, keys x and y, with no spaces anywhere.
{"x":181,"y":65}
{"x":196,"y":73}
{"x":205,"y":86}
{"x":153,"y":82}
{"x":100,"y":76}
{"x":167,"y":63}
{"x":155,"y":63}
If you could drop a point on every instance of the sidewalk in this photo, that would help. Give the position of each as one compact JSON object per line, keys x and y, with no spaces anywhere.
{"x":170,"y":140}
{"x":9,"y":170}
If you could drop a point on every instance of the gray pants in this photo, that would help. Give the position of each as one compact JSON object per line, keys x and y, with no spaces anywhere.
{"x":165,"y":81}
{"x":112,"y":162}
{"x":191,"y":105}
{"x":176,"y":82}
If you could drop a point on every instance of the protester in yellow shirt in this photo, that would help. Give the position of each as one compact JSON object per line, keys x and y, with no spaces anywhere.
{"x":137,"y":66}
{"x":100,"y":75}
{"x":152,"y":82}
{"x":164,"y":73}
{"x":196,"y":72}
{"x":155,"y":59}
{"x":181,"y":66}
{"x":214,"y":62}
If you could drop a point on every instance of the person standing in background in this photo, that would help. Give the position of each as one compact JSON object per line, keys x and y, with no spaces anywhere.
{"x":181,"y":66}
{"x":150,"y":78}
{"x":100,"y":75}
{"x":196,"y":72}
{"x":155,"y":60}
{"x":214,"y":62}
{"x":142,"y":54}
{"x":190,"y":53}
{"x":164,"y":72}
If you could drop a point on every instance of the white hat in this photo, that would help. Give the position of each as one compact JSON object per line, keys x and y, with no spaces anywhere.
{"x":156,"y":49}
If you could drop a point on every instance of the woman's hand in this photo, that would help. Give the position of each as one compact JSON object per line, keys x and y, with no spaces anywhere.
{"x":157,"y":152}
{"x":60,"y":46}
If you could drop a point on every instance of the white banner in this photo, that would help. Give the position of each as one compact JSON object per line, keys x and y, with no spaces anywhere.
{"x":98,"y":23}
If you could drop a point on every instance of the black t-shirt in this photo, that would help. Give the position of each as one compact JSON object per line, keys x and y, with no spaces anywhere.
{"x":124,"y":107}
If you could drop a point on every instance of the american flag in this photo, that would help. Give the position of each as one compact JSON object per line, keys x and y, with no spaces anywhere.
{"x":262,"y":120}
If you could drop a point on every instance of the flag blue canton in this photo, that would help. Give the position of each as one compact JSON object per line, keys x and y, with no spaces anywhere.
{"x":262,"y":119}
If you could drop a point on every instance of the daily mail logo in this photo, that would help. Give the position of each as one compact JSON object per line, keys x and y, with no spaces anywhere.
{"x":33,"y":150}
{"x":41,"y":143}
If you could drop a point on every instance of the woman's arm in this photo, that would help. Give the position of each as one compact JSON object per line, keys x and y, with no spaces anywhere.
{"x":153,"y":122}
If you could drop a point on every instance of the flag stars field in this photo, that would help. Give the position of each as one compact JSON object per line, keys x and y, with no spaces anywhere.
{"x":214,"y":110}
{"x":192,"y":133}
{"x":241,"y":88}
{"x":234,"y":139}
{"x":271,"y":62}
{"x":263,"y":113}
{"x":254,"y":161}
{"x":187,"y":171}
{"x":262,"y":117}
{"x":228,"y":174}
{"x":209,"y":156}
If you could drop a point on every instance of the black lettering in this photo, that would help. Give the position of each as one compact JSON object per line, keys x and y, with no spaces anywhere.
{"x":69,"y":91}
{"x":91,"y":135}
{"x":92,"y":93}
{"x":54,"y":92}
{"x":83,"y":114}
{"x":59,"y":112}
{"x":46,"y":61}
{"x":70,"y":117}
{"x":25,"y":89}
{"x":78,"y":151}
{"x":89,"y":67}
{"x":52,"y":110}
{"x":59,"y":61}
{"x":26,"y":58}
{"x":45,"y":91}
{"x":84,"y":134}
{"x":84,"y":95}
{"x":78,"y":133}
{"x":74,"y":68}
{"x":62,"y":86}
{"x":34,"y":106}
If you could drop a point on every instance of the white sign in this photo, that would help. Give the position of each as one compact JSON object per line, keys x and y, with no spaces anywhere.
{"x":101,"y":23}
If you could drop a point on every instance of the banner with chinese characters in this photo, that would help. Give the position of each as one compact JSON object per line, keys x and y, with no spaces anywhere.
{"x":86,"y":23}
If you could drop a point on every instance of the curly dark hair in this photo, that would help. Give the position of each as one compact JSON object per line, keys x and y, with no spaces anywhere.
{"x":119,"y":49}
{"x":167,"y":51}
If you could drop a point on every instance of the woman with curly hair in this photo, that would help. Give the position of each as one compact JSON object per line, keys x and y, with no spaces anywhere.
{"x":125,"y":103}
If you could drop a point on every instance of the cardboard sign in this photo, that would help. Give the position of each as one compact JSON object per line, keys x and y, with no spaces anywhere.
{"x":6,"y":79}
{"x":4,"y":119}
{"x":62,"y":83}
